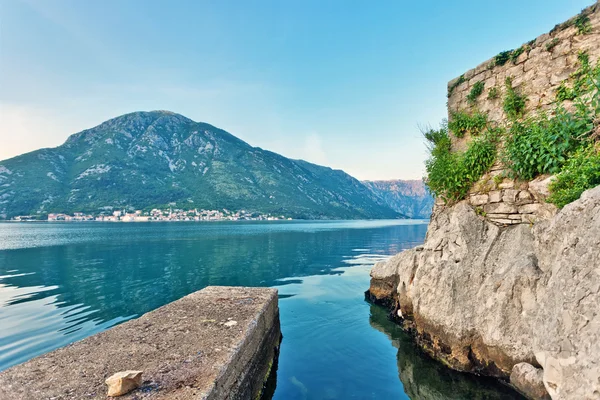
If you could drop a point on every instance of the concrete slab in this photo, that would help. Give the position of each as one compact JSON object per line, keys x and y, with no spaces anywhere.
{"x":188,"y":349}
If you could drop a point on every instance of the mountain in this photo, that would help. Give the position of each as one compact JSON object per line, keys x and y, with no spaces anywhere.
{"x":410,"y":197}
{"x":146,"y":159}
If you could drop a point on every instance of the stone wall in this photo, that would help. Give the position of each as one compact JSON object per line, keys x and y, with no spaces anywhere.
{"x":537,"y":72}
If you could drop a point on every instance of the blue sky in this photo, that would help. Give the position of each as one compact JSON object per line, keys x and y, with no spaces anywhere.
{"x":341,"y":83}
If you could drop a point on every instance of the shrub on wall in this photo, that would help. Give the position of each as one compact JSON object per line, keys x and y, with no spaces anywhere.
{"x":541,"y":145}
{"x":493,"y":93}
{"x":460,"y":80}
{"x":514,"y":102}
{"x":462,"y":122}
{"x":581,"y":172}
{"x":583,"y":24}
{"x":450,"y":175}
{"x":475,"y":92}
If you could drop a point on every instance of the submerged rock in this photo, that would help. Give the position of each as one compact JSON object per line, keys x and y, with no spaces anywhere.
{"x":483,"y":298}
{"x":123,"y":382}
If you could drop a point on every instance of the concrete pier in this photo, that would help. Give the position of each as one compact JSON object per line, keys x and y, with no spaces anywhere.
{"x":217,"y":343}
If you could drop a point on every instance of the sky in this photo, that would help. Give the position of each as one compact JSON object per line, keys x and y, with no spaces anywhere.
{"x":342,"y":83}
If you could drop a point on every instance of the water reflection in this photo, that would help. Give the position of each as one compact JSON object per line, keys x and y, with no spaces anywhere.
{"x":425,"y":379}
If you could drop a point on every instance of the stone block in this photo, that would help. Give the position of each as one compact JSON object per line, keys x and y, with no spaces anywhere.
{"x":539,"y":187}
{"x":490,"y":82}
{"x":558,"y":76}
{"x":522,"y":57}
{"x":540,"y":83}
{"x":515,"y":70}
{"x":499,"y":215}
{"x":510,"y":196}
{"x":479,"y":199}
{"x":530,"y":208}
{"x":524,"y":197}
{"x":500,"y":208}
{"x":507,"y":184}
{"x":562,"y":48}
{"x":495,"y":196}
{"x":503,"y":221}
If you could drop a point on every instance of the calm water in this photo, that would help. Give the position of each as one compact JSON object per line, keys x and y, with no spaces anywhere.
{"x":62,"y":282}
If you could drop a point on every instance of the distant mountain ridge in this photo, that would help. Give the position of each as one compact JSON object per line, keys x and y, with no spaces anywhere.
{"x":147,"y":159}
{"x":408,"y":197}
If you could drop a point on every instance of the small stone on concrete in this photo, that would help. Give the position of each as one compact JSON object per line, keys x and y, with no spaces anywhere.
{"x":123,"y":382}
{"x":230,"y":323}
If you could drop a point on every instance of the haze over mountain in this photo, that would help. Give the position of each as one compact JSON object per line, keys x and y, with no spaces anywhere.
{"x":408,"y":197}
{"x":146,"y":159}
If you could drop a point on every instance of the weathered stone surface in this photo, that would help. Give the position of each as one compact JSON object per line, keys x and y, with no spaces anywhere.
{"x":530,"y":208}
{"x":540,"y":210}
{"x":484,"y":298}
{"x":529,"y":380}
{"x":507,"y":184}
{"x":123,"y":382}
{"x":524,"y":197}
{"x":539,"y":187}
{"x":505,"y":221}
{"x":184,"y":348}
{"x":500,"y":208}
{"x":479,"y":199}
{"x":510,"y":196}
{"x":495,"y":196}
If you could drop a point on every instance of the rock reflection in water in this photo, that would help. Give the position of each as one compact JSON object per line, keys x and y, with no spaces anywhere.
{"x":427,"y":379}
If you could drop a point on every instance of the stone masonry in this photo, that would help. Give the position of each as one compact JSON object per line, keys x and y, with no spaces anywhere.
{"x":537,"y":72}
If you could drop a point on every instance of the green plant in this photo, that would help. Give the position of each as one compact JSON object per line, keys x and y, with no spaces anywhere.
{"x":552,"y":44}
{"x":454,"y":85}
{"x":451,"y":175}
{"x":583,"y":25}
{"x":514,"y":55}
{"x":462,"y":122}
{"x":493,"y":93}
{"x":502,"y":57}
{"x":514,"y":102}
{"x":542,"y":145}
{"x":580,"y":173}
{"x":479,"y":211}
{"x":498,"y":179}
{"x":565,"y":93}
{"x":582,"y":80}
{"x":476,"y":91}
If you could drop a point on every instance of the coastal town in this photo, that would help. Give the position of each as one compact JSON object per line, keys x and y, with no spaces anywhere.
{"x":159,"y":215}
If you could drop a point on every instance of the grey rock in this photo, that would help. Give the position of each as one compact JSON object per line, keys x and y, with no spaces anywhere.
{"x":539,"y":187}
{"x":484,"y":298}
{"x":529,"y":381}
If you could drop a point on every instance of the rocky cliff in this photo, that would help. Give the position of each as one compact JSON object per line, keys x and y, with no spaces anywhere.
{"x":486,"y":298}
{"x":408,"y":197}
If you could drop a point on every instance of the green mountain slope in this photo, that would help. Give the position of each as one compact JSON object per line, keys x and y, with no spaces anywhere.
{"x":408,"y":197}
{"x":147,"y":159}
